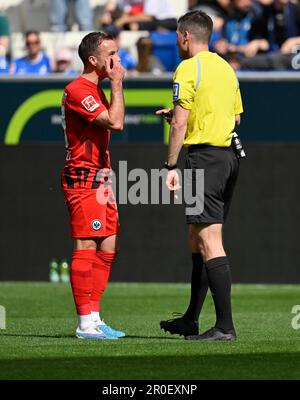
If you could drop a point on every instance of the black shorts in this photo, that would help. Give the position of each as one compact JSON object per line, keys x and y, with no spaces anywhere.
{"x":221,"y":168}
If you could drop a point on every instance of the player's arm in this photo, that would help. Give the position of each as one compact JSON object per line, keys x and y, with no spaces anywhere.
{"x":113,"y":118}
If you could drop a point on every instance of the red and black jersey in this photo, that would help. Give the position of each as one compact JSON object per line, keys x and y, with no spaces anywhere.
{"x":86,"y":143}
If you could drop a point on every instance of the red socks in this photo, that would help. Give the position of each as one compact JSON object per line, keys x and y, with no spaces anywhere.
{"x":81,"y":279}
{"x":100,"y":275}
{"x":90,"y":272}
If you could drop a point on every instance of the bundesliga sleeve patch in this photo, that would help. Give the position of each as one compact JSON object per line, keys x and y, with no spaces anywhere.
{"x":176,"y":87}
{"x":90,"y":103}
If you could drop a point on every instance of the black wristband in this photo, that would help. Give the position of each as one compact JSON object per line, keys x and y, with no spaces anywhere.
{"x":170,"y":167}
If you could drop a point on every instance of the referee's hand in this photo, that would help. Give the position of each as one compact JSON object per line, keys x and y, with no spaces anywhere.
{"x":172,"y":182}
{"x":166,"y":113}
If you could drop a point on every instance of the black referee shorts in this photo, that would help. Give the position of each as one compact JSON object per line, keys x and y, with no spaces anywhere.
{"x":221,"y":168}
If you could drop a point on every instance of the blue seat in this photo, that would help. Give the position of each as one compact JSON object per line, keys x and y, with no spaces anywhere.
{"x":214,"y":38}
{"x":165,"y":48}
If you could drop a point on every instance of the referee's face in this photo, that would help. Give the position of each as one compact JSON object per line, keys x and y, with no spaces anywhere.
{"x":182,"y":45}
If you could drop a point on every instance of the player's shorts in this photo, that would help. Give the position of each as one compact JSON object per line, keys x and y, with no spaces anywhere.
{"x":89,"y":216}
{"x":221,"y":168}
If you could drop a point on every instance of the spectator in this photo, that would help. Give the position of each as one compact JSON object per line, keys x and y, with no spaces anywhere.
{"x":4,"y":63}
{"x":239,"y":35}
{"x":218,"y":10}
{"x":4,"y":32}
{"x":58,"y":12}
{"x":147,"y":15}
{"x":114,"y":9}
{"x":279,"y":24}
{"x":127,"y":60}
{"x":63,"y":62}
{"x":147,"y":62}
{"x":35,"y":61}
{"x":161,"y":14}
{"x":4,"y":44}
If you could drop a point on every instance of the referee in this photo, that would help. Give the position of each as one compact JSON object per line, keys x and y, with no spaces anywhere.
{"x":207,"y":106}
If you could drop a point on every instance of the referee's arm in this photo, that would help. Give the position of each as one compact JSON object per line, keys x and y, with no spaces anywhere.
{"x":177,"y":133}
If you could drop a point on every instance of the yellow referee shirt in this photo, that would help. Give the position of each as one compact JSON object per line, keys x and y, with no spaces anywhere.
{"x":208,"y":87}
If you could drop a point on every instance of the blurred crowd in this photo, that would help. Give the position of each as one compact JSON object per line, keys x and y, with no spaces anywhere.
{"x":249,"y":34}
{"x":255,"y":35}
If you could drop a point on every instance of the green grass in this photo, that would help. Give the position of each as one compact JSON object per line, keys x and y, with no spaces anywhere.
{"x":39,"y":340}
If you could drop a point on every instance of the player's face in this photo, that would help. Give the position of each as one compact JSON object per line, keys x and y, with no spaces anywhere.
{"x":108,"y":50}
{"x":182,"y":45}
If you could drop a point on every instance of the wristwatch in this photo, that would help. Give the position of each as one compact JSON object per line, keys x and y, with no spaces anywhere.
{"x":170,"y":167}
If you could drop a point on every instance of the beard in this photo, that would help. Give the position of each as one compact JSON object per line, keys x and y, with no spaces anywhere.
{"x":183,"y":54}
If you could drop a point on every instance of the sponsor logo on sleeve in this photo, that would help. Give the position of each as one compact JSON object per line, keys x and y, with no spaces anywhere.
{"x":176,"y":87}
{"x":90,"y":103}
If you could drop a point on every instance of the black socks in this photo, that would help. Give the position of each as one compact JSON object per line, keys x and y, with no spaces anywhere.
{"x":215,"y":273}
{"x":199,"y":287}
{"x":219,"y":280}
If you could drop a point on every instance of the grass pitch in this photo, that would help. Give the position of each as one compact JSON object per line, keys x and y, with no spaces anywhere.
{"x":39,"y":340}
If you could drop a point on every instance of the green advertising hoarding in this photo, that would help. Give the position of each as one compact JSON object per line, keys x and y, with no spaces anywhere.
{"x":30,"y":109}
{"x":32,"y":112}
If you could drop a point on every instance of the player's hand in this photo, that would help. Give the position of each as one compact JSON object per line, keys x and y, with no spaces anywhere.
{"x":114,"y":69}
{"x":172,"y":182}
{"x":166,"y":113}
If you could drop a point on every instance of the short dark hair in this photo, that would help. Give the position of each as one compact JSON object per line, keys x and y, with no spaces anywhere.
{"x":32,"y":32}
{"x":198,"y":24}
{"x":90,"y":43}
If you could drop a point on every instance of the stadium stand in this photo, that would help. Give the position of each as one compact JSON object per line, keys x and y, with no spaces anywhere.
{"x":33,"y":14}
{"x":70,"y":40}
{"x":277,"y":50}
{"x":26,"y":15}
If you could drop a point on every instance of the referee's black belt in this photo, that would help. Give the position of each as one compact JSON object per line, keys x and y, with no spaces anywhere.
{"x":195,"y":147}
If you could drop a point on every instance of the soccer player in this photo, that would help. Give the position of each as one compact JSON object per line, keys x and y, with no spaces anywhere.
{"x":86,"y":179}
{"x":207,"y":105}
